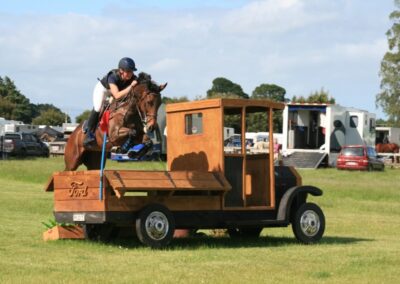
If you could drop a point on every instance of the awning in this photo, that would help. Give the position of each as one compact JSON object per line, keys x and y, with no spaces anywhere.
{"x":308,"y":107}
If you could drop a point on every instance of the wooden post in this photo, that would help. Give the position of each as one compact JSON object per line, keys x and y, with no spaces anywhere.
{"x":271,"y":156}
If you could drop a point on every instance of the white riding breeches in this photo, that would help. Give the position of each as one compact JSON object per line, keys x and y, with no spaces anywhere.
{"x":99,"y":93}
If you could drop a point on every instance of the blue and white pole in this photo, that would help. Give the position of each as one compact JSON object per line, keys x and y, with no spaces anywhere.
{"x":103,"y":157}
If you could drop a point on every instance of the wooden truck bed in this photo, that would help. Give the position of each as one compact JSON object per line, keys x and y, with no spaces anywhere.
{"x":128,"y":190}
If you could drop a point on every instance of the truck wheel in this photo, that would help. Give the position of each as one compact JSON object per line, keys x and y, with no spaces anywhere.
{"x":155,"y":226}
{"x":244,"y":232}
{"x":308,"y":224}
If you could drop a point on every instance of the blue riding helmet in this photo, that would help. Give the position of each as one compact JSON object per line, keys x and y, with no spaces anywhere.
{"x":127,"y":64}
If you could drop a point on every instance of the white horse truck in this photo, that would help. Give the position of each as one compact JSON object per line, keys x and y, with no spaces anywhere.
{"x":314,"y":133}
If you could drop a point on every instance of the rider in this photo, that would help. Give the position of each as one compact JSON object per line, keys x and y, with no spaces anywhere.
{"x":117,"y":83}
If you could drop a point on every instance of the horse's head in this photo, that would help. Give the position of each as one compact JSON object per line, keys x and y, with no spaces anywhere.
{"x":148,"y":99}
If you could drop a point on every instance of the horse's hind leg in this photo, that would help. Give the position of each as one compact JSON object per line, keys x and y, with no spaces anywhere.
{"x":72,"y":160}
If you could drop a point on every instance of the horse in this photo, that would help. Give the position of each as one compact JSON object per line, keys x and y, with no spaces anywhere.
{"x":129,"y":117}
{"x":387,"y":148}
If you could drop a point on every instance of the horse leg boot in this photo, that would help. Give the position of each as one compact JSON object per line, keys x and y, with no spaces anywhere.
{"x":129,"y":142}
{"x":91,"y":129}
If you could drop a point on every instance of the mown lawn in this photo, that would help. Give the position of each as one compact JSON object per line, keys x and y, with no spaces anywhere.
{"x":361,"y":242}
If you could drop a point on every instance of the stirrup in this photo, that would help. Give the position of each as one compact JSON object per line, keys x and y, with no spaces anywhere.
{"x":90,"y":140}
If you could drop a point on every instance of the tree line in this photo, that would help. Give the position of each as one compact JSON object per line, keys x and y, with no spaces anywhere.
{"x":389,"y":96}
{"x":15,"y":106}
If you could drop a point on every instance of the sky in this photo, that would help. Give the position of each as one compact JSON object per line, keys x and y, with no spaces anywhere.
{"x":54,"y":51}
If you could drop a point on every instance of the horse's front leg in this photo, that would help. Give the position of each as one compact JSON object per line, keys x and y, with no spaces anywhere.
{"x":123,"y":137}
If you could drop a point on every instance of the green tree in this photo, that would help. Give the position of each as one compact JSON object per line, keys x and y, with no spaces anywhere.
{"x":15,"y":106}
{"x":168,"y":100}
{"x":321,"y":96}
{"x":12,"y":97}
{"x":382,"y":122}
{"x":256,"y":121}
{"x":389,"y":97}
{"x":269,"y":91}
{"x":51,"y":117}
{"x":83,"y":116}
{"x":222,"y":87}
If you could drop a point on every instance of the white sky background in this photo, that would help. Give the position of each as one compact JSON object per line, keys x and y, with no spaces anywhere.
{"x":55,"y":50}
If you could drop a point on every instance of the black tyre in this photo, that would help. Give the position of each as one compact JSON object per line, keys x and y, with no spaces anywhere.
{"x":155,"y":226}
{"x":244,"y":232}
{"x":308,"y":224}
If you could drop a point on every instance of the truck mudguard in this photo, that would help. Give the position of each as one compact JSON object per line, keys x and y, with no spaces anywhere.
{"x":300,"y":194}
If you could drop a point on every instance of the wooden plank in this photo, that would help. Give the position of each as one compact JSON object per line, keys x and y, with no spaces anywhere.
{"x":220,"y":176}
{"x":133,"y":180}
{"x":198,"y":185}
{"x":173,"y":203}
{"x":80,"y":181}
{"x":76,"y":194}
{"x":136,"y":175}
{"x":141,"y":184}
{"x":78,"y":205}
{"x":49,"y":185}
{"x":77,"y":173}
{"x":191,"y":175}
{"x":193,"y":106}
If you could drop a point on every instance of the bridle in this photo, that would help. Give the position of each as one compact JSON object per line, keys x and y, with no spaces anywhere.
{"x":144,"y":116}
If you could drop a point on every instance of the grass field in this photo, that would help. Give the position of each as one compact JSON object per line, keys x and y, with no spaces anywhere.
{"x":361,"y":242}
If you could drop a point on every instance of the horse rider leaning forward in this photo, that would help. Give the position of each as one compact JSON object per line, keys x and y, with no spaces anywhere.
{"x":117,"y":83}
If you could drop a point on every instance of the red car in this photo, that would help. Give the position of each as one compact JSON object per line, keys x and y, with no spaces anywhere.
{"x":359,"y":157}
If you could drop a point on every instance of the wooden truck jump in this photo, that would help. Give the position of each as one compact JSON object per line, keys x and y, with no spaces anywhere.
{"x":208,"y":185}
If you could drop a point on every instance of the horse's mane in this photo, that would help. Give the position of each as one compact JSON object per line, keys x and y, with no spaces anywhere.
{"x":144,"y":78}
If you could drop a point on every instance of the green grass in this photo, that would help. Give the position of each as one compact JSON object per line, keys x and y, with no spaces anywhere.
{"x":361,"y":242}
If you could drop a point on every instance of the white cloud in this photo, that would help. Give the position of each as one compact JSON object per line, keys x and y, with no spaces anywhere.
{"x":270,"y":16}
{"x":363,"y":50}
{"x":166,"y":64}
{"x":299,"y":44}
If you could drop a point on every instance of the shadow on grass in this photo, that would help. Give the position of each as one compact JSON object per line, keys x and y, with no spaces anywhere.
{"x":334,"y":240}
{"x":226,"y":242}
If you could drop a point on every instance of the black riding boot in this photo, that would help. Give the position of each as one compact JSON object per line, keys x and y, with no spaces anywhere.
{"x":91,"y":128}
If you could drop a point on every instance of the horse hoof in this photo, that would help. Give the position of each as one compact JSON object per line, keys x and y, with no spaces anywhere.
{"x":116,"y":149}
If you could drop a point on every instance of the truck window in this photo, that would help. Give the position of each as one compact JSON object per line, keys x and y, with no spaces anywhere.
{"x":354,"y":121}
{"x":193,"y":123}
{"x":371,"y":125}
{"x":12,"y":136}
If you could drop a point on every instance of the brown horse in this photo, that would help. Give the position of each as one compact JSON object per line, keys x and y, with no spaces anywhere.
{"x":387,"y":148}
{"x":129,"y":117}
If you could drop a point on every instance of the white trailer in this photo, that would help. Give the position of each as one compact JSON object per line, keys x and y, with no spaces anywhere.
{"x":386,"y":134}
{"x":322,"y":129}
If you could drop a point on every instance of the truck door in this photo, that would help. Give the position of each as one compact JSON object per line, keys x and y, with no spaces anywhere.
{"x":354,"y":128}
{"x":29,"y":143}
{"x":249,"y":167}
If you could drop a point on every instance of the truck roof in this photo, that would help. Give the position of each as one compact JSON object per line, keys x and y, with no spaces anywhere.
{"x":221,"y":102}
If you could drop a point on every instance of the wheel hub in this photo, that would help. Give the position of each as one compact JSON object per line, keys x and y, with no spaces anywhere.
{"x":157,"y":225}
{"x":310,"y":223}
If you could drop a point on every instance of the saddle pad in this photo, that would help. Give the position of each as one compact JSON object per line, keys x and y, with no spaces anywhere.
{"x":104,"y":121}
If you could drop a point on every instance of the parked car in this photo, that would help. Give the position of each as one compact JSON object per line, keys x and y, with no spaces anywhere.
{"x":24,"y":144}
{"x":359,"y":157}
